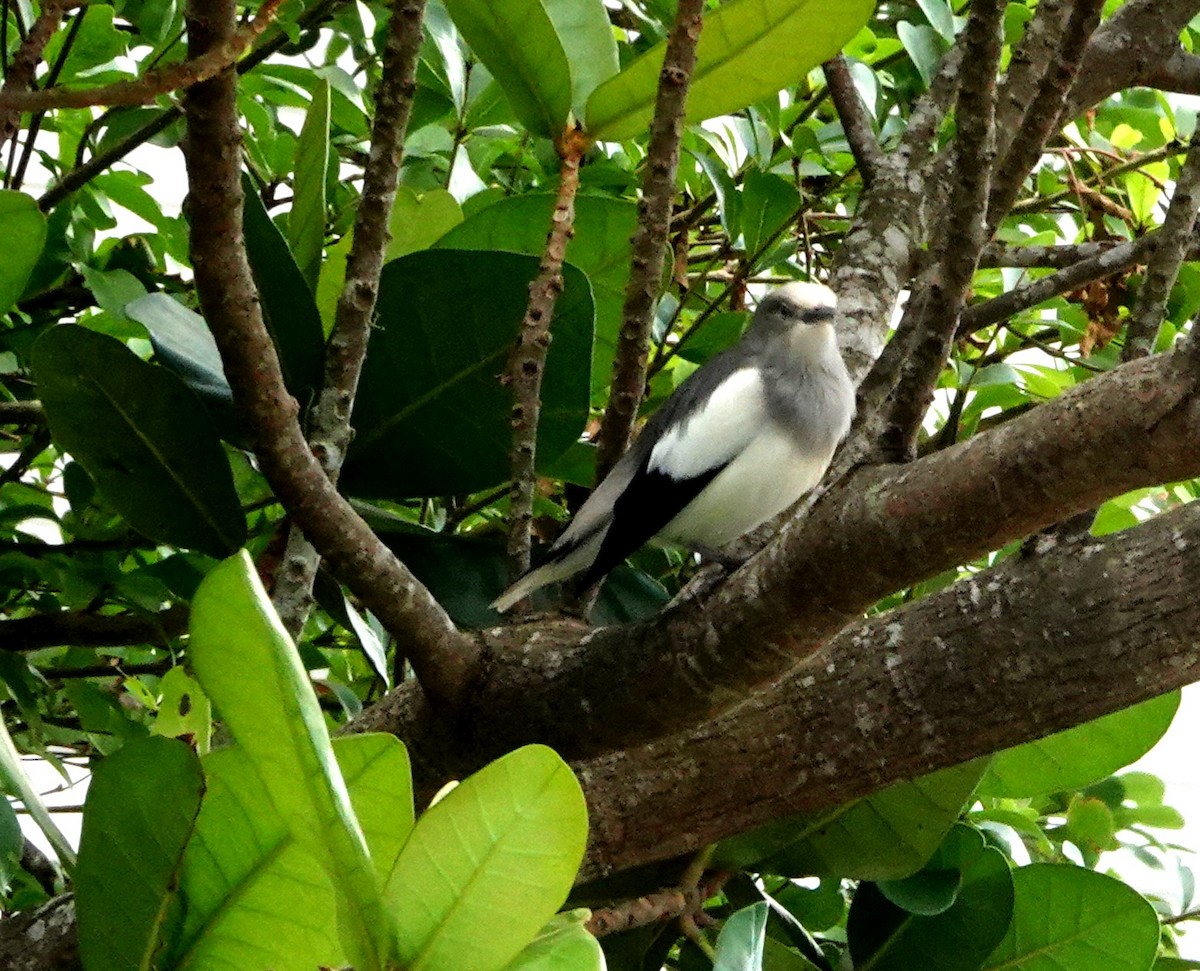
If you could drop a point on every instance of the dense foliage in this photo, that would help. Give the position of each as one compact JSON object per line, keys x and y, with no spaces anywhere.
{"x":136,"y":465}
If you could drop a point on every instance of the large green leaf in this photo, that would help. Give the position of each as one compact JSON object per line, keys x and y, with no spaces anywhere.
{"x":254,"y":896}
{"x":1082,"y":755}
{"x":514,"y":831}
{"x":431,"y":416}
{"x":884,"y":837}
{"x":1071,"y":919}
{"x":306,"y":220}
{"x":748,"y":51}
{"x":275,"y":717}
{"x":12,"y":843}
{"x":603,"y":229}
{"x":564,"y":944}
{"x":586,"y":34}
{"x":288,"y":305}
{"x":517,"y":41}
{"x":23,"y":229}
{"x":141,"y":808}
{"x":740,"y":943}
{"x":883,"y":937}
{"x":144,"y":438}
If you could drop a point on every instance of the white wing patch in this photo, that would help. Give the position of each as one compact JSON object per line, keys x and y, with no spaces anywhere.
{"x":716,"y":432}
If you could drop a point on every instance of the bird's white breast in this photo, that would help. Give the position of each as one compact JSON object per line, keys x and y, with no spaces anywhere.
{"x":769,"y":474}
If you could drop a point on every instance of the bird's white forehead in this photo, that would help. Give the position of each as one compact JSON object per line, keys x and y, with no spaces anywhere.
{"x":806,"y":295}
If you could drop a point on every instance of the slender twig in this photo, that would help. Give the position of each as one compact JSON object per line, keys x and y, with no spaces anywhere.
{"x":442,"y":657}
{"x":116,"y":669}
{"x":1173,"y":242}
{"x":1108,"y":262}
{"x":20,"y":74}
{"x":856,"y":120}
{"x":1042,"y":203}
{"x":650,"y":240}
{"x":145,"y":89}
{"x":330,"y":431}
{"x":33,"y":448}
{"x":22,"y":413}
{"x":527,"y":361}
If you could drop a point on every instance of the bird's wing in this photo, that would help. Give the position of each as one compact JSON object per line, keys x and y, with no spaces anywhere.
{"x":708,"y":429}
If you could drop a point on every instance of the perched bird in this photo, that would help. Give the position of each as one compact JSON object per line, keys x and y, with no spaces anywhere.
{"x":738,"y":442}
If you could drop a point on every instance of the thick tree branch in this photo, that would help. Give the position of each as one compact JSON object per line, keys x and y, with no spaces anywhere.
{"x":1031,"y":58}
{"x":931,"y":316}
{"x":856,"y":120}
{"x":441,"y":656}
{"x":650,"y":240}
{"x":145,"y":89}
{"x":330,"y":433}
{"x":81,"y":628}
{"x":1172,"y":243}
{"x":22,"y":413}
{"x":879,"y":530}
{"x":928,"y":686}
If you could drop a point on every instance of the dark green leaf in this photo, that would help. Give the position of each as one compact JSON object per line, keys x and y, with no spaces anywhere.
{"x":603,"y":228}
{"x":1072,"y":919}
{"x":768,"y":204}
{"x":288,"y":305}
{"x":11,"y":844}
{"x":97,"y":42}
{"x":141,"y":808}
{"x":143,"y":437}
{"x":885,"y":837}
{"x":748,"y":51}
{"x":517,"y":41}
{"x":23,"y":229}
{"x":884,"y":937}
{"x":431,"y":415}
{"x":1081,"y":755}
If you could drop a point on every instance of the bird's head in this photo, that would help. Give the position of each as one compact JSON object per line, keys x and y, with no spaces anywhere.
{"x":794,"y":305}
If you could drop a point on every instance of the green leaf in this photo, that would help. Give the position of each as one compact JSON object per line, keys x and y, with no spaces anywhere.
{"x":23,"y":229}
{"x":519,"y":822}
{"x":517,"y":41}
{"x":748,"y":51}
{"x":417,"y":223}
{"x":97,"y":42}
{"x":142,"y":436}
{"x":431,"y":415}
{"x":140,"y":811}
{"x":562,"y":945}
{"x":940,"y":17}
{"x":1082,"y":755}
{"x":1067,"y":918}
{"x":586,"y":35}
{"x":1144,"y":188}
{"x":306,"y":221}
{"x":769,"y":202}
{"x":600,"y":247}
{"x":16,"y":783}
{"x":288,"y":305}
{"x":885,"y":837}
{"x":923,"y":46}
{"x":740,"y":943}
{"x":253,"y":897}
{"x":883,"y":937}
{"x":379,"y":778}
{"x":276,"y":718}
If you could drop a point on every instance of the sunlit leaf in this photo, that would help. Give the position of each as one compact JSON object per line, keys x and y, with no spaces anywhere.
{"x":23,"y":229}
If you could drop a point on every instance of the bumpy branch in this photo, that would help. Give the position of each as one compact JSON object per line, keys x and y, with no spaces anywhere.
{"x":1171,"y":247}
{"x":527,"y":362}
{"x":441,"y":656}
{"x":650,"y":240}
{"x":19,"y":78}
{"x":856,"y":120}
{"x":331,"y":433}
{"x":145,"y":89}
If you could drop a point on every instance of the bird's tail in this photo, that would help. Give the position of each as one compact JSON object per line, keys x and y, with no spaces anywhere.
{"x":562,"y":564}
